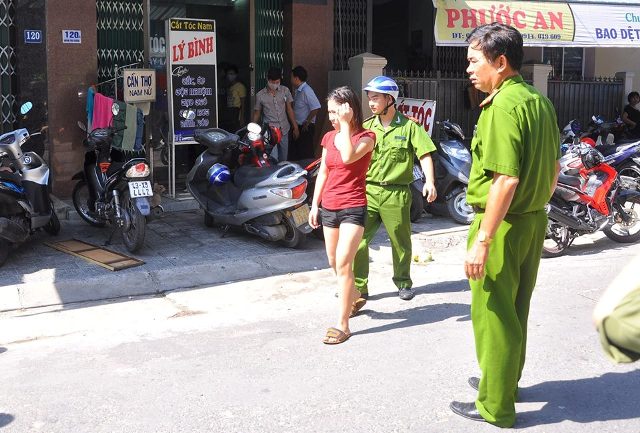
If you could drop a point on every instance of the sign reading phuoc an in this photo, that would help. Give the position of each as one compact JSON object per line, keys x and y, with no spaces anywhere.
{"x":422,"y":110}
{"x":191,"y":76}
{"x":541,"y":23}
{"x":139,"y":85}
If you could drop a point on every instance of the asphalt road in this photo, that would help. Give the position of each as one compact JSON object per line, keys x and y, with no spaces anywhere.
{"x":247,"y":357}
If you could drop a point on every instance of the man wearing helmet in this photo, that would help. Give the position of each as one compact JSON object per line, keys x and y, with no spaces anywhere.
{"x":515,"y":152}
{"x":398,"y":139}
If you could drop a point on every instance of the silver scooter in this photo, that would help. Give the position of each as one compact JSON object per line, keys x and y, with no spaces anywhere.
{"x":262,"y":198}
{"x":25,"y":204}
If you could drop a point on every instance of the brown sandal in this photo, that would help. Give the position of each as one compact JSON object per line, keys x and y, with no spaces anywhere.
{"x":357,"y":306}
{"x":335,"y":336}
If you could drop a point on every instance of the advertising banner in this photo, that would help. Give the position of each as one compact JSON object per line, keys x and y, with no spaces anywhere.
{"x":191,"y":71}
{"x":541,"y":23}
{"x":423,"y":110}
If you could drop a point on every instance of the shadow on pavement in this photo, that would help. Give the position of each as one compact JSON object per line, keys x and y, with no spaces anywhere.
{"x":6,"y":419}
{"x":612,"y":396}
{"x":417,"y":316}
{"x":3,"y":349}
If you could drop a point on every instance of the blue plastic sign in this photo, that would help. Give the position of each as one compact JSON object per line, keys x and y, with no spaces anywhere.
{"x":33,"y":36}
{"x":71,"y":37}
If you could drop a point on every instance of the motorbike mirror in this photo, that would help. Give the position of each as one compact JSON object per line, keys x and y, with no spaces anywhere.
{"x":26,"y":107}
{"x":82,"y":126}
{"x":188,"y":114}
{"x":254,"y":128}
{"x":115,"y":109}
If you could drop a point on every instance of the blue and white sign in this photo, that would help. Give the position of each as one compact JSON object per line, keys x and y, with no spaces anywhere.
{"x":33,"y":36}
{"x":71,"y":37}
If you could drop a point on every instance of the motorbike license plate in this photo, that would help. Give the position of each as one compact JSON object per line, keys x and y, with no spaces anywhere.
{"x":300,"y":215}
{"x":140,"y":189}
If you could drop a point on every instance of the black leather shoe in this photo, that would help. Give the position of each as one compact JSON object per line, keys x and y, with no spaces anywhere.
{"x":474,"y":382}
{"x":406,"y":294}
{"x":466,"y":410}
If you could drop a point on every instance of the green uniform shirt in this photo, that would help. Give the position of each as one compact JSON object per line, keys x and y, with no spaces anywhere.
{"x":392,"y":158}
{"x":517,"y":135}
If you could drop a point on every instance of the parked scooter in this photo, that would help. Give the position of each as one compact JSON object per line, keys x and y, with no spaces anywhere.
{"x":25,"y":204}
{"x":595,"y":199}
{"x":113,"y":189}
{"x":452,"y":166}
{"x":237,"y":185}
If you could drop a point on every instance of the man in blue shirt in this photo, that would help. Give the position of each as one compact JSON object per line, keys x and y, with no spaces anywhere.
{"x":305,"y":109}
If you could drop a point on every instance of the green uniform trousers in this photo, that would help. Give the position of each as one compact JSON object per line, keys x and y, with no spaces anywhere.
{"x":390,"y":205}
{"x":500,"y":309}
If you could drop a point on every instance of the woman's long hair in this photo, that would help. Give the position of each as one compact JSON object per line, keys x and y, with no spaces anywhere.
{"x":345,"y":94}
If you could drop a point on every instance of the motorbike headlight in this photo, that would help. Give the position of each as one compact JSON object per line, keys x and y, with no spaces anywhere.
{"x":458,"y":152}
{"x":138,"y":170}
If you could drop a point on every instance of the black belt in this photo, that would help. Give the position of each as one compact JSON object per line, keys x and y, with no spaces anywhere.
{"x":477,"y":209}
{"x":385,"y":183}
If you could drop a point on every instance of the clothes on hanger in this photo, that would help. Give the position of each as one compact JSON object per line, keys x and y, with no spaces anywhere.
{"x":102,"y":114}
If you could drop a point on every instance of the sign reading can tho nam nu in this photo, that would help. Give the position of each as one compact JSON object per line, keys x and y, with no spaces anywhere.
{"x":139,"y":85}
{"x":541,"y":23}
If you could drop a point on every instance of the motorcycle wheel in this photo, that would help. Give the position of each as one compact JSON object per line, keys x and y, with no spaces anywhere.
{"x":133,"y":237}
{"x":621,"y":231}
{"x":556,"y":241}
{"x":629,"y":169}
{"x":458,"y":208}
{"x":53,"y":226}
{"x":164,"y":154}
{"x":417,"y":204}
{"x":80,"y":202}
{"x":208,"y":220}
{"x":293,"y":238}
{"x":4,"y":251}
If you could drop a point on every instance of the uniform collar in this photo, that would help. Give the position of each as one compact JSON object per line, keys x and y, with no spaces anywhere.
{"x":397,"y":120}
{"x":506,"y":83}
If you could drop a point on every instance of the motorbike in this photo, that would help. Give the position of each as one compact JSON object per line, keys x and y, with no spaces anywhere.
{"x":238,"y":185}
{"x":452,"y":165}
{"x":25,"y":204}
{"x":598,"y":198}
{"x":114,"y":189}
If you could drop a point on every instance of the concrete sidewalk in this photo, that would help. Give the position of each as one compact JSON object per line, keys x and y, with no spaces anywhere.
{"x":179,"y":252}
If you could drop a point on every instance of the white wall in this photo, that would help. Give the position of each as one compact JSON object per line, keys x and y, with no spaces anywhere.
{"x":608,"y":61}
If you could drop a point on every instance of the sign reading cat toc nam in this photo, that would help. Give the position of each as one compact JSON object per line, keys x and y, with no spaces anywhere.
{"x":139,"y":85}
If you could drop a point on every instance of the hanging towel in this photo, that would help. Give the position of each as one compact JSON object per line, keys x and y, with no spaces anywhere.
{"x":139,"y":130}
{"x":129,"y":138}
{"x":102,"y":114}
{"x":119,"y":122}
{"x":91,"y":93}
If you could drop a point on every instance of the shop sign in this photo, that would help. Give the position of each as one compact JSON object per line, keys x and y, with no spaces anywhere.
{"x":541,"y":23}
{"x":71,"y":37}
{"x":139,"y":85}
{"x":422,"y":110}
{"x":33,"y":36}
{"x":191,"y":66}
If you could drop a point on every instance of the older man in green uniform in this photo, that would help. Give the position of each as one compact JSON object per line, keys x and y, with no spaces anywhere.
{"x":514,"y":171}
{"x":398,"y":139}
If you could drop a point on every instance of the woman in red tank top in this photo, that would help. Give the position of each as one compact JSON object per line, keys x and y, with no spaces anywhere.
{"x":340,"y":201}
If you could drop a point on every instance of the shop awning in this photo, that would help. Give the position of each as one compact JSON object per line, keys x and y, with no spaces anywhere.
{"x":549,"y":24}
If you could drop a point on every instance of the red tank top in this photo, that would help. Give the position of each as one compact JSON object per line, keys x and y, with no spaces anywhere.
{"x":345,"y":185}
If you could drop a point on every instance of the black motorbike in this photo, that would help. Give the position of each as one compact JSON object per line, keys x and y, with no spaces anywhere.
{"x":25,"y":204}
{"x":114,"y":189}
{"x":452,"y":165}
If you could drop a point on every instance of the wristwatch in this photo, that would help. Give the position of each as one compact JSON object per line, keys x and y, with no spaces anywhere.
{"x":483,"y":237}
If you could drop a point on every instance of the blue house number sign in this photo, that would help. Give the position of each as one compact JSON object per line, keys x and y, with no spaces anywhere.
{"x":33,"y":36}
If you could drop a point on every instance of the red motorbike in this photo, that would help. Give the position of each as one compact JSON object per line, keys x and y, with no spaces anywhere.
{"x":597,"y":198}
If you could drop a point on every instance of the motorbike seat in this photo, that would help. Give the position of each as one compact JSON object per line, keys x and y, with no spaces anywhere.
{"x":569,"y":180}
{"x":247,"y":176}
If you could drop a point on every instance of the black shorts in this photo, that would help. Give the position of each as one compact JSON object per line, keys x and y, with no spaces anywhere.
{"x":351,"y":215}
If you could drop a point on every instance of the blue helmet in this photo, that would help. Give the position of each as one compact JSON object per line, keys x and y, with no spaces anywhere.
{"x":382,"y":84}
{"x":218,"y":174}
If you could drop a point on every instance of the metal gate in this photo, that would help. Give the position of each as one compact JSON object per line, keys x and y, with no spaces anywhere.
{"x":350,"y":24}
{"x":120,"y":36}
{"x":269,"y":18}
{"x":7,"y":65}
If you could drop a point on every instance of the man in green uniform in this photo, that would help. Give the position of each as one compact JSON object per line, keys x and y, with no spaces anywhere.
{"x":513,"y":174}
{"x":398,"y":139}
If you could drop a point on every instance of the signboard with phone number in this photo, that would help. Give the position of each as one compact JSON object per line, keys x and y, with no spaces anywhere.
{"x":71,"y":37}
